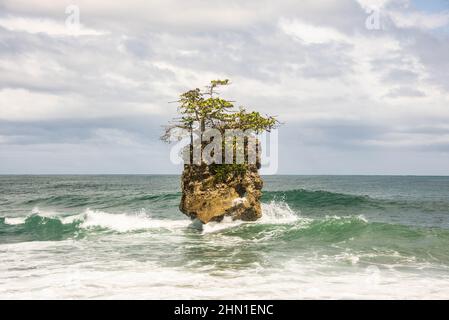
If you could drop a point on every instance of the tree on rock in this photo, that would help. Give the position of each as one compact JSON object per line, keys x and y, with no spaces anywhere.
{"x":220,"y":176}
{"x":202,"y":110}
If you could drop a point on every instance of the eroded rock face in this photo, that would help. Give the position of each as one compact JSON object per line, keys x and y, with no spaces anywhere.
{"x":210,"y":199}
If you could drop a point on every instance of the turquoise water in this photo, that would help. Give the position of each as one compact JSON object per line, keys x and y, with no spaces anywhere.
{"x":320,"y":237}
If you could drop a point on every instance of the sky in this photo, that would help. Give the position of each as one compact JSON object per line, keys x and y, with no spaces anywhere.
{"x":361,"y":87}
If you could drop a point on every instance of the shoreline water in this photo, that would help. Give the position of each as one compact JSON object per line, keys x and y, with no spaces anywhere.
{"x":331,"y":237}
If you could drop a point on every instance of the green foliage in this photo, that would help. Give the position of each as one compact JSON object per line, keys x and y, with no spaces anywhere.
{"x":222,"y":172}
{"x":250,"y":120}
{"x":205,"y":109}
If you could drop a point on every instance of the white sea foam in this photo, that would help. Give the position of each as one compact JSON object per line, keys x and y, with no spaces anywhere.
{"x":77,"y":269}
{"x":277,"y":212}
{"x":14,"y":220}
{"x":47,"y":275}
{"x":120,"y":222}
{"x":359,"y":217}
{"x":128,"y":222}
{"x":272,"y":213}
{"x":22,"y":219}
{"x":226,"y":223}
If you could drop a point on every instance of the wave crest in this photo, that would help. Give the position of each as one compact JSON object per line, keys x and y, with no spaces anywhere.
{"x":317,"y":198}
{"x":274,"y":212}
{"x":45,"y":225}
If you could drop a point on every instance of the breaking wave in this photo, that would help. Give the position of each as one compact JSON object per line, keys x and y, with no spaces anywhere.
{"x":279,"y":222}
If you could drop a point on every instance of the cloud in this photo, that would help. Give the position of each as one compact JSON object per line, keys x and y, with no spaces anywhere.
{"x":340,"y":87}
{"x":311,"y":34}
{"x":21,"y":104}
{"x":48,"y":26}
{"x":420,"y":20}
{"x":113,"y":136}
{"x":413,"y":141}
{"x":3,"y":139}
{"x":405,"y":92}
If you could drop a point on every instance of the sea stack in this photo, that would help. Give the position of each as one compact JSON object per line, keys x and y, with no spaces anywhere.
{"x":222,"y":160}
{"x":207,"y":197}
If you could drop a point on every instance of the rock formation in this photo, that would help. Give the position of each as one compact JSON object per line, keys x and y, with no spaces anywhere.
{"x":207,"y":196}
{"x":220,"y":176}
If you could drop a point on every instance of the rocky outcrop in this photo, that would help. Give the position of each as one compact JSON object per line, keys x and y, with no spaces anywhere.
{"x":210,"y":196}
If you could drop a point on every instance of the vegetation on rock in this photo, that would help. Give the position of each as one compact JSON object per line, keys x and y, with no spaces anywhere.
{"x":211,"y":191}
{"x":201,"y":110}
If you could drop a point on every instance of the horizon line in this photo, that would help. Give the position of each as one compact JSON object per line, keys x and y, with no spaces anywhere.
{"x":178,"y":174}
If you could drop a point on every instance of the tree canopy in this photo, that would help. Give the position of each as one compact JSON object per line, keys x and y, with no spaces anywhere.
{"x":202,"y":109}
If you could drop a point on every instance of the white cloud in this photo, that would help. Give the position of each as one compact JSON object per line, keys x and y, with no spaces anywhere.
{"x":24,"y":105}
{"x":420,"y":20}
{"x":44,"y":25}
{"x":310,"y":34}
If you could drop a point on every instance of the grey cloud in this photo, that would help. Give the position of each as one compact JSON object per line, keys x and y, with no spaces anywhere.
{"x":438,"y":128}
{"x":194,"y":16}
{"x":144,"y":129}
{"x":397,"y":75}
{"x":74,"y":68}
{"x":150,"y":55}
{"x":340,"y":134}
{"x":327,"y":61}
{"x":433,"y":52}
{"x":405,"y":92}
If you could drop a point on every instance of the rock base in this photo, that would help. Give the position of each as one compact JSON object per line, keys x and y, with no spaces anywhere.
{"x":207,"y":197}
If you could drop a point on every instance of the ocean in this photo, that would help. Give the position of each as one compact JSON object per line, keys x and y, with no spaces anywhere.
{"x":320,"y":237}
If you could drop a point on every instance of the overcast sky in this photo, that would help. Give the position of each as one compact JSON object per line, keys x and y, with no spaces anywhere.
{"x":356,"y":97}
